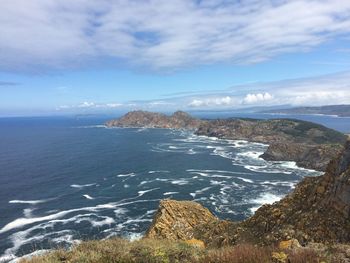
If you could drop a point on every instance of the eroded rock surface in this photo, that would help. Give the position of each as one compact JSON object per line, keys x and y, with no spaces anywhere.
{"x":176,"y":220}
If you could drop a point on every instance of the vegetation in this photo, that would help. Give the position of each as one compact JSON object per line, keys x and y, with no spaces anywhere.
{"x":166,"y":251}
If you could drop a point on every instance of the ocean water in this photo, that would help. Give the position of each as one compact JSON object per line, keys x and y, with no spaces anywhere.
{"x":63,"y":180}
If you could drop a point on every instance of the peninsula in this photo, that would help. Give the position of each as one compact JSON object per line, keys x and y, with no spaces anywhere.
{"x":308,"y":144}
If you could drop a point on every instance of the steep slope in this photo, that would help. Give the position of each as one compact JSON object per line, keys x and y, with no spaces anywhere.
{"x":317,"y":210}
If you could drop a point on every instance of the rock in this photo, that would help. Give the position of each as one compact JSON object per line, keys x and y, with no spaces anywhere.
{"x":176,"y":220}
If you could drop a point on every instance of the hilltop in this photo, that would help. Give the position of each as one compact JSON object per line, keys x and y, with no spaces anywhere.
{"x":145,"y":119}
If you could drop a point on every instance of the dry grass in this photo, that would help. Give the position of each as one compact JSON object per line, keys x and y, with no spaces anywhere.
{"x":239,"y":254}
{"x":165,"y":251}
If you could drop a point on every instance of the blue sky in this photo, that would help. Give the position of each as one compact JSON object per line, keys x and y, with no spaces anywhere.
{"x":63,"y":57}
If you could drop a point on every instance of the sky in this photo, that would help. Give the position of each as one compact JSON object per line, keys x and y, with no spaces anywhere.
{"x":106,"y":56}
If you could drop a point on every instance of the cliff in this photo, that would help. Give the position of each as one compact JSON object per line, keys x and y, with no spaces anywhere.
{"x":310,"y":145}
{"x":318,"y":210}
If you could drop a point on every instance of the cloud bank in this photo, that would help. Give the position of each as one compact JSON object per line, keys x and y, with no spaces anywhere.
{"x":157,"y":34}
{"x":322,"y":90}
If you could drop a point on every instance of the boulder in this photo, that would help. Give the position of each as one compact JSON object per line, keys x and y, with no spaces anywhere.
{"x":176,"y":220}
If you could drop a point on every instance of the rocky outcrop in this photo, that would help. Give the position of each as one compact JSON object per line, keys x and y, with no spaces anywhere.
{"x":176,"y":220}
{"x":318,"y":210}
{"x":314,"y":157}
{"x":145,"y":119}
{"x":272,"y":131}
{"x":310,"y":145}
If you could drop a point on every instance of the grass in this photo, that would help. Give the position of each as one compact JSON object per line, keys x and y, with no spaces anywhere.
{"x":164,"y":251}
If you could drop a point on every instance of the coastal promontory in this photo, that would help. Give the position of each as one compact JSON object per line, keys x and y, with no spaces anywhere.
{"x":308,"y":144}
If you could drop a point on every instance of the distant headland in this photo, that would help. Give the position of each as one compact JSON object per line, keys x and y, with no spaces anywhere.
{"x":308,"y":144}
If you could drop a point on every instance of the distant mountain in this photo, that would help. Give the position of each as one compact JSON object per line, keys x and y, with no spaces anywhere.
{"x":338,"y":110}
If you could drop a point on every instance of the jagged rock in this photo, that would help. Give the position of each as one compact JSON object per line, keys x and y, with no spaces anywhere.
{"x":176,"y":220}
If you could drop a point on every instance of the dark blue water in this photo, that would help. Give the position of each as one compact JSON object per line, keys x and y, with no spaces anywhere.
{"x":63,"y":180}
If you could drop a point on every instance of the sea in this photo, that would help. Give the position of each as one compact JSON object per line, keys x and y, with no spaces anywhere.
{"x":68,"y":179}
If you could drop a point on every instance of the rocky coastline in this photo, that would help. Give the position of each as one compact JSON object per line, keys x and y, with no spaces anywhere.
{"x":317,"y":211}
{"x":311,"y":224}
{"x":310,"y":145}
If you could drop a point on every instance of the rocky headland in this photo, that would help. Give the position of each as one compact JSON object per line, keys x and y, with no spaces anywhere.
{"x":318,"y":210}
{"x":310,"y":145}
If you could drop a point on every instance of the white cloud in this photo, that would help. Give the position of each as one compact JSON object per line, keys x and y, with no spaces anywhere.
{"x":252,"y":98}
{"x":113,"y":105}
{"x":90,"y":105}
{"x":162,"y":34}
{"x":210,"y":102}
{"x":196,"y":103}
{"x":86,"y":104}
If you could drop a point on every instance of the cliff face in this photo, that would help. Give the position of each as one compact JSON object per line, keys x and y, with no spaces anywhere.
{"x":144,"y":119}
{"x":318,"y":210}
